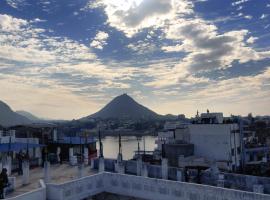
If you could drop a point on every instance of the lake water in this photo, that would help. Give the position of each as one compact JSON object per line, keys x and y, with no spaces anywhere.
{"x":129,"y":145}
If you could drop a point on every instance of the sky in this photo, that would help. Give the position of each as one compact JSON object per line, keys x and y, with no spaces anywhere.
{"x":65,"y":59}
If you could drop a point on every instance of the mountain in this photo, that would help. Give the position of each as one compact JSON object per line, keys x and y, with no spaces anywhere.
{"x":28,"y":115}
{"x":10,"y":118}
{"x":124,"y":107}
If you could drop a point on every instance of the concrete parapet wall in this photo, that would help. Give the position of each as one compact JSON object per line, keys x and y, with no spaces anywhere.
{"x":39,"y":194}
{"x":156,"y":189}
{"x":247,"y":182}
{"x":143,"y":187}
{"x":76,"y":189}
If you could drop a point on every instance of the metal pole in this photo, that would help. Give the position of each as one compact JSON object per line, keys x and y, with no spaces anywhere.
{"x":100,"y":144}
{"x":138,"y":145}
{"x":80,"y":149}
{"x":143,"y":145}
{"x":120,"y":144}
{"x":9,"y":146}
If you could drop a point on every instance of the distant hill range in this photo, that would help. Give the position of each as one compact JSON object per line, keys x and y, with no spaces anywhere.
{"x":29,"y":115}
{"x":124,"y":107}
{"x":10,"y":118}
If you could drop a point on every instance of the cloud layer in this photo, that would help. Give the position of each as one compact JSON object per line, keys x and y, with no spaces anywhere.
{"x":166,"y":50}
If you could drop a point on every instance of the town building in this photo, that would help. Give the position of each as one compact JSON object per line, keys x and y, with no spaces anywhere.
{"x":207,"y":139}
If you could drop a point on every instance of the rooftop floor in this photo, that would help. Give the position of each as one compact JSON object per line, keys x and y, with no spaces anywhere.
{"x":59,"y":174}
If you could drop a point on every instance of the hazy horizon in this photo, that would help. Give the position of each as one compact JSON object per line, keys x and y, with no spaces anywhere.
{"x":66,"y":59}
{"x":89,"y":113}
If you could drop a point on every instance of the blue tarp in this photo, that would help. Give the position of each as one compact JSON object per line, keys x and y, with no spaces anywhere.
{"x":17,"y":146}
{"x":76,"y":140}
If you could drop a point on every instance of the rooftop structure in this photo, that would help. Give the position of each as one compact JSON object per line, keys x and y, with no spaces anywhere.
{"x":209,"y":137}
{"x":209,"y":118}
{"x":121,"y":184}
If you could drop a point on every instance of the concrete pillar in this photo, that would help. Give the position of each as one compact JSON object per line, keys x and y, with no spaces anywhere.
{"x":70,"y":152}
{"x":179,"y":176}
{"x":38,"y":155}
{"x":72,"y":158}
{"x":8,"y":164}
{"x":101,"y":165}
{"x":258,"y":189}
{"x":81,"y":170}
{"x":86,"y":156}
{"x":139,"y":166}
{"x":144,"y":170}
{"x":92,"y":163}
{"x":121,"y":168}
{"x":58,"y":151}
{"x":214,"y":171}
{"x":119,"y":165}
{"x":12,"y":182}
{"x":116,"y":166}
{"x":25,"y":168}
{"x":164,"y":168}
{"x":47,"y":175}
{"x":221,"y":181}
{"x":119,"y":157}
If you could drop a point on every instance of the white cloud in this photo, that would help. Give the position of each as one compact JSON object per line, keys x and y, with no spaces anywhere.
{"x":239,"y":8}
{"x":28,"y":53}
{"x":252,"y":39}
{"x":232,"y":94}
{"x":204,"y":49}
{"x":100,"y":40}
{"x":142,"y":46}
{"x":16,"y":3}
{"x":236,"y":3}
{"x":131,"y":16}
{"x":263,"y":16}
{"x":248,"y":17}
{"x":207,"y":50}
{"x":8,"y":23}
{"x":21,"y":41}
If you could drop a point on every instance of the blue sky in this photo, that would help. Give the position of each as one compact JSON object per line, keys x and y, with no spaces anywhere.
{"x":66,"y":59}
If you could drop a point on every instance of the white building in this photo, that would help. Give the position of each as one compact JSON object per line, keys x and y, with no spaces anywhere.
{"x":217,"y":142}
{"x":213,"y":140}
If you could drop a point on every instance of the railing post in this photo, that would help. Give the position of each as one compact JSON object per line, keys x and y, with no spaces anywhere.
{"x":144,"y":170}
{"x":72,"y":159}
{"x":85,"y":156}
{"x":258,"y":189}
{"x":139,"y":166}
{"x":80,"y":169}
{"x":47,"y":175}
{"x":8,"y":164}
{"x":179,"y":176}
{"x":164,"y":168}
{"x":25,"y":178}
{"x":92,"y":163}
{"x":101,"y":165}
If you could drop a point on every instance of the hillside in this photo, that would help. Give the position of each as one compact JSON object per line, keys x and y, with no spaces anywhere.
{"x":28,"y":115}
{"x":124,"y":107}
{"x":10,"y":118}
